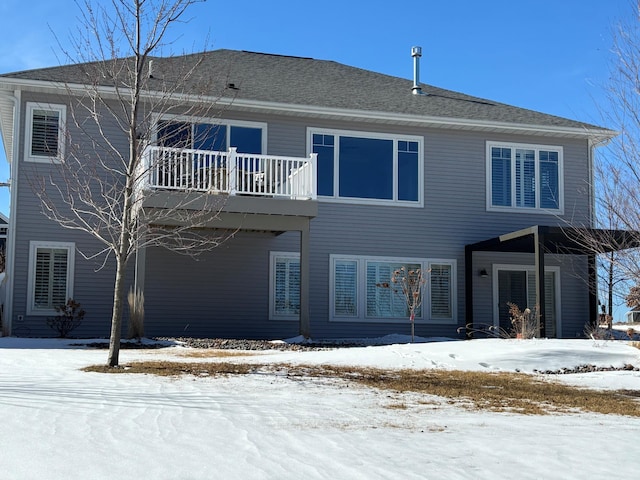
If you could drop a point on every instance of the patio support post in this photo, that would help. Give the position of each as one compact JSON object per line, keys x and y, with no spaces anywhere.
{"x":468,"y":291}
{"x":538,"y":245}
{"x":593,"y":289}
{"x":305,"y":329}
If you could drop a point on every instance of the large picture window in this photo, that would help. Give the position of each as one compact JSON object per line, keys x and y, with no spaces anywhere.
{"x":368,"y":168}
{"x":45,"y":132}
{"x":356,"y":294}
{"x":51,"y":266}
{"x":524,"y":178}
{"x":218,"y":137}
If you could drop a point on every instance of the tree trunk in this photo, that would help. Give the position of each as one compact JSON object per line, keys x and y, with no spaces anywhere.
{"x":116,"y":318}
{"x":121,"y":268}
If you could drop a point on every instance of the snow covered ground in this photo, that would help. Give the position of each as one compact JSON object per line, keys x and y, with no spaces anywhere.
{"x":57,"y":422}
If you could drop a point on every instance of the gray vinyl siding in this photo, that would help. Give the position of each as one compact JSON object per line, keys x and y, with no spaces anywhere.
{"x":225,"y":292}
{"x":222,"y":293}
{"x":93,"y":279}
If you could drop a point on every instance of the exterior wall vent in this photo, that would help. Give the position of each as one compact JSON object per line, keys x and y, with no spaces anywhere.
{"x":416,"y":53}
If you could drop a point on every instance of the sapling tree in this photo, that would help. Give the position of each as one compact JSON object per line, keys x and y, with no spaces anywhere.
{"x":114,"y":104}
{"x":409,"y":282}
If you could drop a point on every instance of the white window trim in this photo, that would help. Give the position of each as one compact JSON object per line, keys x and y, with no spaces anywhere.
{"x":273,"y":256}
{"x":524,"y":268}
{"x":33,"y":246}
{"x":156,"y":117}
{"x":377,"y":136}
{"x":62,"y":109}
{"x":527,"y":146}
{"x":361,"y":317}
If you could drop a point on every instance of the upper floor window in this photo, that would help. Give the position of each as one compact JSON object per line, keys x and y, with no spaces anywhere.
{"x":51,"y":268}
{"x":367,"y":167}
{"x":524,"y":177}
{"x":218,"y":137}
{"x":44,"y":132}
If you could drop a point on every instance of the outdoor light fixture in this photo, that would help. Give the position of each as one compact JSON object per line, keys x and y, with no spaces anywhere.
{"x":483,"y":273}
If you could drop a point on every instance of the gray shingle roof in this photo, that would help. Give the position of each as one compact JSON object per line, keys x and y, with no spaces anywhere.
{"x":316,"y":83}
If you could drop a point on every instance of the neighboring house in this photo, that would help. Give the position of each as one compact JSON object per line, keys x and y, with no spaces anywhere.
{"x":347,"y":175}
{"x":4,"y":226}
{"x":632,"y":316}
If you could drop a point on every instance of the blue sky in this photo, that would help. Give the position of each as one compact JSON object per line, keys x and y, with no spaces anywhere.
{"x":547,"y":55}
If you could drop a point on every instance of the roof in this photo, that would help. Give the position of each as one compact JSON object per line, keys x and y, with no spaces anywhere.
{"x":306,"y":82}
{"x":561,"y":240}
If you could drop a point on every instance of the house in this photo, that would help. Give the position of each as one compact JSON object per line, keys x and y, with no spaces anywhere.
{"x":632,"y":316}
{"x":4,"y":225}
{"x":333,"y":177}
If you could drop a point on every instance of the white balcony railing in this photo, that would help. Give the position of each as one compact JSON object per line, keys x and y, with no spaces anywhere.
{"x":230,"y":172}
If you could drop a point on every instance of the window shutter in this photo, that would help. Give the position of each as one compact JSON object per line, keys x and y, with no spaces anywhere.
{"x":501,"y":177}
{"x":50,"y":289}
{"x":287,"y":286}
{"x":293,"y":286}
{"x":345,"y":293}
{"x":549,"y":185}
{"x":44,"y":133}
{"x":441,"y":291}
{"x":525,"y":178}
{"x":59,"y":278}
{"x":378,"y":298}
{"x":41,"y":290}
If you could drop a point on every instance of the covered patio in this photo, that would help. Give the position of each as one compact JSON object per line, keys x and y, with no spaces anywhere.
{"x":541,"y":240}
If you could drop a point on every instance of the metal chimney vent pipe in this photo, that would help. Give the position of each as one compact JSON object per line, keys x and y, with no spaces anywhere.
{"x":416,"y":53}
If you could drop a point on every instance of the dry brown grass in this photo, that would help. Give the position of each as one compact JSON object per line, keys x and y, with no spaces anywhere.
{"x":501,"y":392}
{"x":635,"y":344}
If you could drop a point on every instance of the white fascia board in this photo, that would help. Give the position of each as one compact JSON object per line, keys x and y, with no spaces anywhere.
{"x":7,"y":112}
{"x":599,"y":134}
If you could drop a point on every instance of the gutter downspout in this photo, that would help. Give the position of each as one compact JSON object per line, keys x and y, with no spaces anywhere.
{"x":592,"y":187}
{"x":11,"y":237}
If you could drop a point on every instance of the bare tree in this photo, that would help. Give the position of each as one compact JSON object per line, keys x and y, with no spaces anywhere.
{"x":98,"y":186}
{"x":409,"y":282}
{"x":612,"y":277}
{"x":617,"y":172}
{"x":619,"y":168}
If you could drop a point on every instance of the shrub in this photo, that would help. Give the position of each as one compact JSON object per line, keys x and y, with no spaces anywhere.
{"x":596,"y":332}
{"x":136,"y":314}
{"x":69,"y":317}
{"x":525,"y":324}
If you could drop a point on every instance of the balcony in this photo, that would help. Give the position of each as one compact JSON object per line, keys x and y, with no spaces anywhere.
{"x":230,"y":173}
{"x":229,"y":191}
